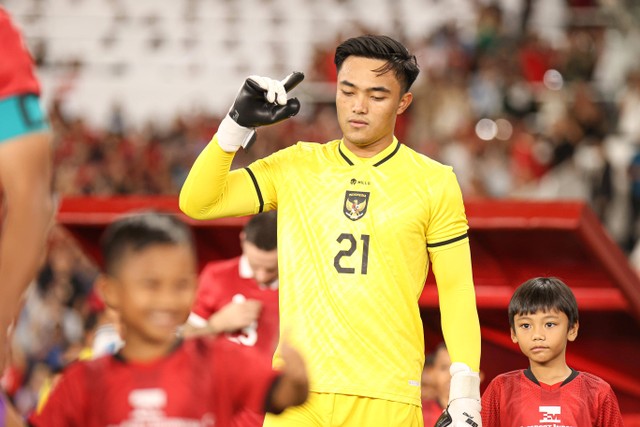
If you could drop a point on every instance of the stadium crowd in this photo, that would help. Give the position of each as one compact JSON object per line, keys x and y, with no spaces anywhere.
{"x":514,"y":114}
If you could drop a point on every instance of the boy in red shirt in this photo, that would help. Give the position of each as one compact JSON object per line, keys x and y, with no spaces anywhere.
{"x":543,"y":314}
{"x":157,"y":378}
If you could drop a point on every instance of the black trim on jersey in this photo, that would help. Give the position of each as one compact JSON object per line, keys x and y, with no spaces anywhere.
{"x":344,"y":156}
{"x":446,"y":242}
{"x":393,"y":153}
{"x":529,"y":374}
{"x":571,"y":377}
{"x":255,"y":184}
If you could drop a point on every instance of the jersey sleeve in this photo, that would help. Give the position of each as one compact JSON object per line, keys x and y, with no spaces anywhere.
{"x":448,"y":222}
{"x":490,"y":413}
{"x":211,"y":190}
{"x":450,"y":257}
{"x":269,"y":175}
{"x":609,"y":413}
{"x":66,"y":405}
{"x":206,"y":297}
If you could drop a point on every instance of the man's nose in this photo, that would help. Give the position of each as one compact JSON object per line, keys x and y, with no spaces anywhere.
{"x":359,"y":105}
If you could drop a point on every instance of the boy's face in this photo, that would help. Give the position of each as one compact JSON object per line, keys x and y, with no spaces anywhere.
{"x":543,"y":335}
{"x":367,"y":103}
{"x":153,"y":291}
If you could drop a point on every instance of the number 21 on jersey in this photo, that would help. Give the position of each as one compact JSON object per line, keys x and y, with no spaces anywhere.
{"x":349,"y":244}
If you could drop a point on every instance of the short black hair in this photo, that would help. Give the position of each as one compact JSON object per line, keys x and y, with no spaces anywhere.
{"x":262,"y":231}
{"x":136,"y":232}
{"x":543,"y":294}
{"x":403,"y":64}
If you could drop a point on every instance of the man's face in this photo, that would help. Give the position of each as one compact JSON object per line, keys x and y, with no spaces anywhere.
{"x":264,"y":264}
{"x":367,"y":104}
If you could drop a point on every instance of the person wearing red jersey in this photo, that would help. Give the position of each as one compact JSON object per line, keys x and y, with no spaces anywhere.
{"x":239,"y":296}
{"x":25,"y":174}
{"x":543,"y":314}
{"x":157,"y":378}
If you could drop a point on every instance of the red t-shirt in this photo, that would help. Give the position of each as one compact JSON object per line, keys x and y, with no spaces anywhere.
{"x":517,"y":399}
{"x":203,"y":382}
{"x":431,"y":411}
{"x":220,"y":282}
{"x":16,"y":65}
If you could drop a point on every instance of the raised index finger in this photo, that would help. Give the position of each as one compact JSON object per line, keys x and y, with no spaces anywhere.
{"x":292,"y":80}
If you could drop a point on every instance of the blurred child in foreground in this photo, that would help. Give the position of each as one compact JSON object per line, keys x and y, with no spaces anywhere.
{"x":156,"y":377}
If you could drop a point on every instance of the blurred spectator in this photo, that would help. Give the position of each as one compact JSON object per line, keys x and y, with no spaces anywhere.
{"x":435,"y":393}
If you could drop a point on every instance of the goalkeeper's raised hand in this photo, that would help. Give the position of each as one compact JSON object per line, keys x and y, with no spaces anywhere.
{"x":464,"y":399}
{"x":261,"y":101}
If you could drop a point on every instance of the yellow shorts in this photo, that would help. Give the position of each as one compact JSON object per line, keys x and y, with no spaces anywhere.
{"x":342,"y":410}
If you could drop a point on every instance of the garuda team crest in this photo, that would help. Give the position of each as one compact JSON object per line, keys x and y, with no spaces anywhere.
{"x":355,"y":204}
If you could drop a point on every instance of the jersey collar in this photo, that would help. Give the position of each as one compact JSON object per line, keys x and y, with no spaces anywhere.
{"x":529,"y":374}
{"x":352,"y":160}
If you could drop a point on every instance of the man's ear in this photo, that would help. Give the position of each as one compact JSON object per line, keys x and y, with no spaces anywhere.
{"x":573,"y":332}
{"x":106,"y":288}
{"x":405,"y":101}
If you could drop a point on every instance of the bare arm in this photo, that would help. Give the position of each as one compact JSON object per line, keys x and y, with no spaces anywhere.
{"x":292,"y":388}
{"x":230,"y":318}
{"x":25,"y":175}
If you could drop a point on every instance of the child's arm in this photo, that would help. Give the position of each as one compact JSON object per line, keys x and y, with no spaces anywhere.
{"x":609,"y":411}
{"x":491,"y":405}
{"x":292,"y":387}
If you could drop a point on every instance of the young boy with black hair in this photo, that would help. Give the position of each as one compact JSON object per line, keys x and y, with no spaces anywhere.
{"x":157,"y":378}
{"x":543,"y":314}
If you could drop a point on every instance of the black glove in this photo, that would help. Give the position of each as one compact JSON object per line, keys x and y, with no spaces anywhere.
{"x":261,"y":101}
{"x":445,"y":420}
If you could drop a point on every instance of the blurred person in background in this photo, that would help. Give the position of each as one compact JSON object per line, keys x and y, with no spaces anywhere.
{"x":239,"y":297}
{"x":436,"y":395}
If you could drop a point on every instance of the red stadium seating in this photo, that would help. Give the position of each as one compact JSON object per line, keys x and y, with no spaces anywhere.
{"x":511,"y":241}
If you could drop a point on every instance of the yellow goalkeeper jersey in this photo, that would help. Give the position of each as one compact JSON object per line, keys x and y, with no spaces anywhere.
{"x":355,"y":238}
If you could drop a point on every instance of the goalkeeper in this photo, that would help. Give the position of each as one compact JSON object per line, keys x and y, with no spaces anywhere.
{"x":360,"y":219}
